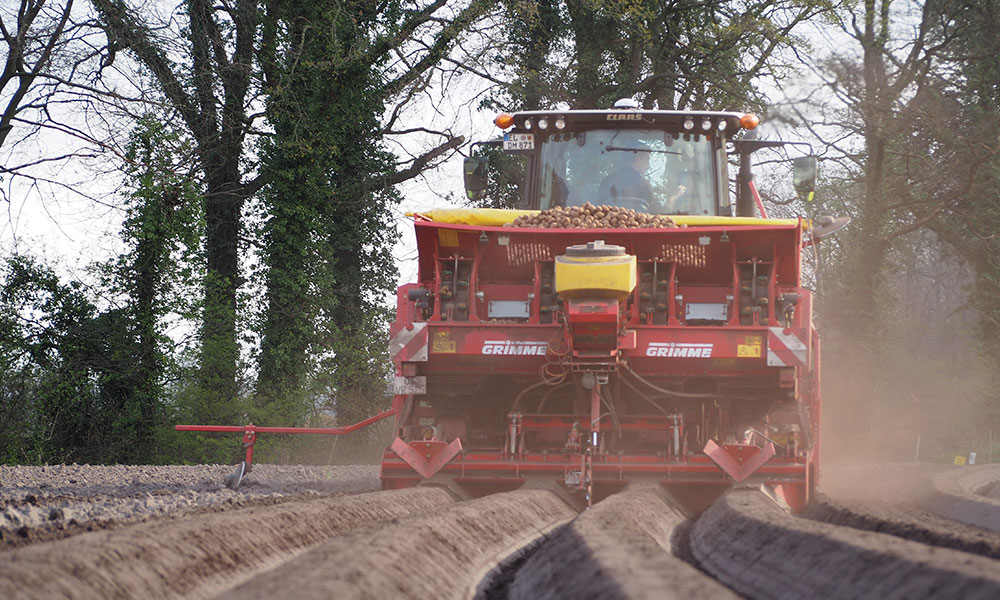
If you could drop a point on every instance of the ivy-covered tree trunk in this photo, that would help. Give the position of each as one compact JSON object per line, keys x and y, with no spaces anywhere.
{"x":152,"y":250}
{"x":208,"y":88}
{"x":328,"y":236}
{"x":161,"y":211}
{"x":218,"y":370}
{"x":330,"y":71}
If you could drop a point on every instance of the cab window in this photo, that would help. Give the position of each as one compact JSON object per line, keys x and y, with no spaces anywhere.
{"x":650,"y":171}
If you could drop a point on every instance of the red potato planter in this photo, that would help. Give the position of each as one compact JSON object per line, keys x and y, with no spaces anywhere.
{"x":587,"y":343}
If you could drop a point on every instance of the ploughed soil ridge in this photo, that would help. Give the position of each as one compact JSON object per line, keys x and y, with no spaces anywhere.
{"x":39,"y":503}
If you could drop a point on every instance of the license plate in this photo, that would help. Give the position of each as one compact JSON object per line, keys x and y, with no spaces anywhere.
{"x":409,"y":385}
{"x":518,"y":141}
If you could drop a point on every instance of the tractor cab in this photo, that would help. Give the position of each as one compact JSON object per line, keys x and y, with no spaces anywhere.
{"x":651,"y":161}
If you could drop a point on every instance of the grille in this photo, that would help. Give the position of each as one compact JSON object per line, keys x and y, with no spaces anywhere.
{"x":526,"y":254}
{"x":685,"y":255}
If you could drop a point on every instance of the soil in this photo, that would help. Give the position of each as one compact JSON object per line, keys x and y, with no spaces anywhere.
{"x":906,"y":521}
{"x":959,"y":494}
{"x":196,"y":556}
{"x":439,"y":554}
{"x":749,"y":543}
{"x":51,"y":502}
{"x":620,"y":548}
{"x":177,"y":532}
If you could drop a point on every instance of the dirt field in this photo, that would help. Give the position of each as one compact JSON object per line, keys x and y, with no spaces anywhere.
{"x":45,"y":503}
{"x":176,"y":532}
{"x":621,"y":548}
{"x":753,"y":546}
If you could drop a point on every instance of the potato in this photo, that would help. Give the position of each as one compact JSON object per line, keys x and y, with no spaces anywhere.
{"x":589,"y":216}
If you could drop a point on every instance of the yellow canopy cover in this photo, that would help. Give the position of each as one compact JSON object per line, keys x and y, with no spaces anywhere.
{"x":497,"y":217}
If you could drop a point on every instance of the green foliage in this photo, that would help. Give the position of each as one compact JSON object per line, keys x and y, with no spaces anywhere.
{"x":329,"y":233}
{"x":88,"y":384}
{"x":58,"y":374}
{"x":673,"y":55}
{"x":153,"y":276}
{"x":160,"y":277}
{"x":326,"y":73}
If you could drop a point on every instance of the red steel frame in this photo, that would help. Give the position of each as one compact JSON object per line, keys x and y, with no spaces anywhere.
{"x":792,"y":477}
{"x":250,"y":431}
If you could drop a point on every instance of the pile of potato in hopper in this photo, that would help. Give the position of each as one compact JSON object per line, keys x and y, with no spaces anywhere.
{"x":589,"y":216}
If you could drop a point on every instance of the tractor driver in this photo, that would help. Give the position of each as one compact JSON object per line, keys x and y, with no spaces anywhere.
{"x":628,"y":184}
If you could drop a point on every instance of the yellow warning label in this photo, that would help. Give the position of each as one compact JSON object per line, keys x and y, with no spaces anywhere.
{"x":443,"y":344}
{"x":753,"y":340}
{"x":959,"y":460}
{"x":443,"y":347}
{"x":745,"y":351}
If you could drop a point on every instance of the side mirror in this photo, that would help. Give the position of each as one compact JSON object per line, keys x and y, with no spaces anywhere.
{"x":476,"y":180}
{"x":804,"y":176}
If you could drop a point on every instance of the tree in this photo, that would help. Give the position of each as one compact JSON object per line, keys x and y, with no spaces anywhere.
{"x":894,"y":135}
{"x":58,"y":378}
{"x":210,"y":90}
{"x":329,"y":71}
{"x":673,"y":55}
{"x":47,"y":94}
{"x":33,"y":35}
{"x":160,"y":233}
{"x":326,"y":243}
{"x":970,"y":226}
{"x":907,"y":156}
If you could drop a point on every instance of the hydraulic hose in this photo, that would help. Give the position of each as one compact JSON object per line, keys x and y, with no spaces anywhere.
{"x":517,"y":400}
{"x":664,"y":390}
{"x":548,"y":394}
{"x":646,"y":398}
{"x":606,"y":399}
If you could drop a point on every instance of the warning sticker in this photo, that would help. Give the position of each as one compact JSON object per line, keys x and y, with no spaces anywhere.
{"x":443,"y":344}
{"x":747,"y":351}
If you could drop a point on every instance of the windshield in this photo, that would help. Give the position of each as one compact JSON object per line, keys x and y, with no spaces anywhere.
{"x":649,"y":171}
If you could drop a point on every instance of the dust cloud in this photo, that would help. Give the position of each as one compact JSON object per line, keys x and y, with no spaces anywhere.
{"x":912,"y":387}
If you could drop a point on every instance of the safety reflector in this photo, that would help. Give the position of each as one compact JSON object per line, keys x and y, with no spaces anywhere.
{"x":786,"y":347}
{"x":408,"y":343}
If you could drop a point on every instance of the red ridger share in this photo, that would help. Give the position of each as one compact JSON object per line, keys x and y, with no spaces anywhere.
{"x":629,"y":324}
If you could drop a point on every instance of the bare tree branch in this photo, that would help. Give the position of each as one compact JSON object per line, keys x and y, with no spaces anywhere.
{"x":15,"y":67}
{"x":420,"y":163}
